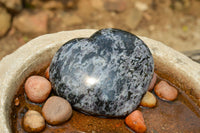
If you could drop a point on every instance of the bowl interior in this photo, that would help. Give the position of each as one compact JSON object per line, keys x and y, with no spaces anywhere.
{"x":37,"y":54}
{"x":165,"y":117}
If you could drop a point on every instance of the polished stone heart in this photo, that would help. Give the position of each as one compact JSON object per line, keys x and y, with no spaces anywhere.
{"x":106,"y":74}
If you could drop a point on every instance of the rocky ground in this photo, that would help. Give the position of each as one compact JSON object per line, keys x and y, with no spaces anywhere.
{"x":174,"y":22}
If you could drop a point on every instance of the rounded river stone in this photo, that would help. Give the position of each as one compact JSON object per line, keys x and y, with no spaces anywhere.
{"x":106,"y":74}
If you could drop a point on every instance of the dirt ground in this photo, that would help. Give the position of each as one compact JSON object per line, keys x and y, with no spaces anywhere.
{"x":173,"y":22}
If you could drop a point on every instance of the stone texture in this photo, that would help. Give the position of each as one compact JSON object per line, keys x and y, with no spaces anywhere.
{"x":106,"y":74}
{"x":13,"y":5}
{"x":33,"y":23}
{"x":5,"y":21}
{"x":16,"y":67}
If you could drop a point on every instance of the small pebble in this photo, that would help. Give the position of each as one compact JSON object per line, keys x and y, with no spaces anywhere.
{"x":136,"y":122}
{"x":56,"y":110}
{"x":33,"y":121}
{"x":165,"y":91}
{"x":148,"y":100}
{"x":37,"y":88}
{"x":16,"y":101}
{"x":153,"y":82}
{"x":47,"y":73}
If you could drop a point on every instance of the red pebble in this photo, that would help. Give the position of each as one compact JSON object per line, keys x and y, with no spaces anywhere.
{"x":37,"y":88}
{"x":153,"y":82}
{"x":47,"y":73}
{"x":136,"y":122}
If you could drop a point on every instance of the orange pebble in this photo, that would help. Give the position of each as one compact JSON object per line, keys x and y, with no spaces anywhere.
{"x":135,"y":121}
{"x":37,"y":88}
{"x":47,"y":73}
{"x":16,"y":101}
{"x":166,"y":91}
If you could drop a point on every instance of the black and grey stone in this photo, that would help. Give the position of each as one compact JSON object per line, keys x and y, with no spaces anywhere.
{"x":106,"y":74}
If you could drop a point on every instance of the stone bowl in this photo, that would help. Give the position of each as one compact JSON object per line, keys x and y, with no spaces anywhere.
{"x":37,"y":54}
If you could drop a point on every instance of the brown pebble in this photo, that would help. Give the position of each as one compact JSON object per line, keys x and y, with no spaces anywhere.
{"x":56,"y":110}
{"x":153,"y":82}
{"x":33,"y":121}
{"x":165,"y":91}
{"x":16,"y":101}
{"x":136,"y":122}
{"x":37,"y":88}
{"x":47,"y":73}
{"x":148,"y":100}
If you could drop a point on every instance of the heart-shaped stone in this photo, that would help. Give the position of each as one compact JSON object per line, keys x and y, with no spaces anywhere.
{"x":106,"y":74}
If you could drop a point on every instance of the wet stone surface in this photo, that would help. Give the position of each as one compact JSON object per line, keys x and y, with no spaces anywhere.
{"x":106,"y":74}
